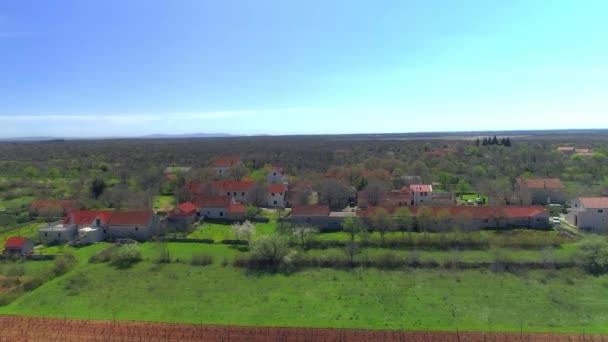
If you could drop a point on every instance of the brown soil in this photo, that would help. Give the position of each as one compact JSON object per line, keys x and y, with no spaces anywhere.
{"x":14,"y":328}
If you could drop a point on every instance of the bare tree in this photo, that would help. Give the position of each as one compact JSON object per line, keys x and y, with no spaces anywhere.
{"x":334,"y":193}
{"x":237,"y":172}
{"x":382,"y":223}
{"x":304,"y":233}
{"x":258,"y":195}
{"x":374,"y":191}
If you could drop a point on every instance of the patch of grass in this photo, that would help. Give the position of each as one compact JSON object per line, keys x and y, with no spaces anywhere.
{"x":362,"y":298}
{"x":16,"y":203}
{"x":29,"y":231}
{"x":163,"y":201}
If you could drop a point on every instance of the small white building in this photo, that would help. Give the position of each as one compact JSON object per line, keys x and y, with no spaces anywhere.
{"x":589,"y":213}
{"x":277,"y":194}
{"x":57,"y":232}
{"x":276,"y":176}
{"x":222,"y":166}
{"x":422,"y":194}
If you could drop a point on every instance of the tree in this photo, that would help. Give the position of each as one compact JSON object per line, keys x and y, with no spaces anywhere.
{"x":97,"y":187}
{"x":243,"y":230}
{"x":424,"y":219}
{"x":494,"y":141}
{"x":251,"y":211}
{"x":258,"y":195}
{"x":237,"y":172}
{"x":334,"y":193}
{"x":462,"y":186}
{"x":351,"y":248}
{"x":374,"y":192}
{"x":353,"y":226}
{"x":477,"y":142}
{"x":404,"y":219}
{"x":593,"y":255}
{"x":270,"y":250}
{"x":303,"y":234}
{"x":381,"y":222}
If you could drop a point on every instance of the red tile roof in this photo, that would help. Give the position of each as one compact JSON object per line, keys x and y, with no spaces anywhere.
{"x":242,"y":185}
{"x":84,"y":217}
{"x":277,"y":188}
{"x":236,"y":208}
{"x":421,"y":188}
{"x":211,"y":201}
{"x":226,"y":162}
{"x":565,"y":149}
{"x":47,"y":203}
{"x":539,"y":183}
{"x":594,"y":202}
{"x":310,"y":210}
{"x":583,"y":150}
{"x":277,"y":168}
{"x":196,"y":187}
{"x":131,"y":217}
{"x":187,"y":208}
{"x":463,"y":211}
{"x":15,"y":242}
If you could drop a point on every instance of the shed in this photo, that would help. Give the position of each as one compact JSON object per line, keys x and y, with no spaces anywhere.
{"x":18,"y":245}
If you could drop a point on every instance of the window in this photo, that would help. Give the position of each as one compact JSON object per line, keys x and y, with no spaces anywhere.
{"x":275,"y":202}
{"x":228,"y":193}
{"x":46,"y":234}
{"x":58,"y":234}
{"x":485,"y":221}
{"x":98,"y":222}
{"x":600,"y":211}
{"x":221,"y":213}
{"x":272,"y":194}
{"x":274,"y":173}
{"x":136,"y":228}
{"x":235,"y":193}
{"x":243,"y":193}
{"x":576,"y":205}
{"x":104,"y":231}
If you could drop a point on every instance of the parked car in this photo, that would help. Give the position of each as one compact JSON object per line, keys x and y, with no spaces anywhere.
{"x":555,"y":220}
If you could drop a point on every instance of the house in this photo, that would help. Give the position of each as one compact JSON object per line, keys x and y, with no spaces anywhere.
{"x":475,"y":217}
{"x":539,"y":191}
{"x":223,"y":165}
{"x":421,"y":194}
{"x":17,"y":245}
{"x":93,"y":224}
{"x":276,"y":175}
{"x":51,"y":206}
{"x":440,"y":152}
{"x":566,"y":149}
{"x":585,"y":152}
{"x":239,"y":190}
{"x":390,"y":198}
{"x":132,"y":224}
{"x":184,"y":214}
{"x":589,"y":213}
{"x":277,"y":193}
{"x":212,"y":207}
{"x":317,"y":215}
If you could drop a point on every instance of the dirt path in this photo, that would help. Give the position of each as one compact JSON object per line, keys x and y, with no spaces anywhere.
{"x":14,"y":328}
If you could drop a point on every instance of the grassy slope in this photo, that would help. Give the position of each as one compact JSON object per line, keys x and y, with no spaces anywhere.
{"x":29,"y":231}
{"x":565,"y":300}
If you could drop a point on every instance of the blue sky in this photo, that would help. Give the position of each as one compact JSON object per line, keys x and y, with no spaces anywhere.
{"x":99,"y":68}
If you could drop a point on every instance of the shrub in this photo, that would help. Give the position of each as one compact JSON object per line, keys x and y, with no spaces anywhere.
{"x":201,"y":259}
{"x":164,"y":256}
{"x":593,"y":255}
{"x":32,"y":283}
{"x":125,"y":256}
{"x":15,"y":270}
{"x":63,"y":263}
{"x":102,"y":256}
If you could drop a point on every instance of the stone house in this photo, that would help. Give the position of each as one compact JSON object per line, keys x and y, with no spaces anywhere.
{"x":589,"y":213}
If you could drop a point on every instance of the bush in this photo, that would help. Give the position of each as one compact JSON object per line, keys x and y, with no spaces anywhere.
{"x":15,"y":270}
{"x":164,"y":256}
{"x":125,"y":256}
{"x":102,"y":256}
{"x":32,"y":283}
{"x":63,"y":263}
{"x":593,"y":255}
{"x":201,"y":259}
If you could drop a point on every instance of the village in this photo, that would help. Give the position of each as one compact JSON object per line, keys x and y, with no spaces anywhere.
{"x":226,"y":200}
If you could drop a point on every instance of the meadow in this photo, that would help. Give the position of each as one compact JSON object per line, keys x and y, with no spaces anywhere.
{"x":566,"y":300}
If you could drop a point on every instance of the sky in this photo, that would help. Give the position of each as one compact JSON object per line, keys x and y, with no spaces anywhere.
{"x":128,"y":68}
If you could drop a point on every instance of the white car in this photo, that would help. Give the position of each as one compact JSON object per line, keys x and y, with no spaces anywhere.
{"x":555,"y":220}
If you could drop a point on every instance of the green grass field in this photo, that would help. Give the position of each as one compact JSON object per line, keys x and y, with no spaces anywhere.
{"x":162,"y":201}
{"x":557,"y":301}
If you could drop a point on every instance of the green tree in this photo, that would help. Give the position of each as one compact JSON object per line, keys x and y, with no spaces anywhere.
{"x":381,"y":222}
{"x":593,"y":255}
{"x":352,"y":226}
{"x":97,"y":187}
{"x":303,"y":234}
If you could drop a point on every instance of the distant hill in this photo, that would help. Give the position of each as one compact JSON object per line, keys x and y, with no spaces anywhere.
{"x":150,"y":136}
